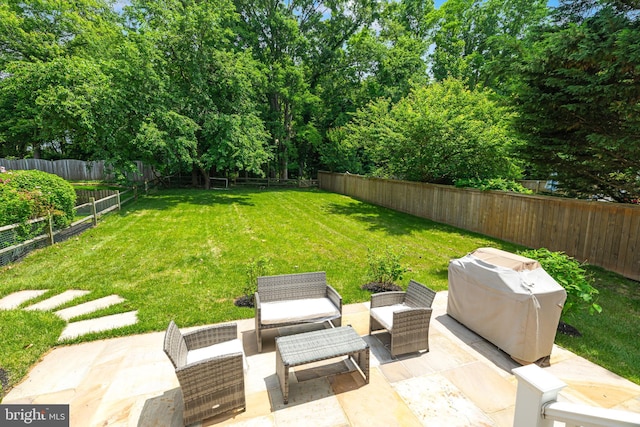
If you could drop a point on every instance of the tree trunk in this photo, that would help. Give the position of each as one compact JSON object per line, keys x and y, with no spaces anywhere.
{"x":205,"y":177}
{"x":194,"y":176}
{"x":284,"y":161}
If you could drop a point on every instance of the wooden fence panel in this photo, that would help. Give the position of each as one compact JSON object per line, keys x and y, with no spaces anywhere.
{"x":75,"y":170}
{"x":600,"y":233}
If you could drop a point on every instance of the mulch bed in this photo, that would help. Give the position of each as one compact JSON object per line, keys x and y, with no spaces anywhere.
{"x":376,"y":287}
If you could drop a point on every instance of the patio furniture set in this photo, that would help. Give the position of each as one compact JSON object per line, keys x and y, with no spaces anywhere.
{"x":210,"y":362}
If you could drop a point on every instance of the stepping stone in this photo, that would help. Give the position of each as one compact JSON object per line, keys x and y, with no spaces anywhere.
{"x":13,"y":300}
{"x":57,"y":300}
{"x":88,"y":307}
{"x":75,"y":329}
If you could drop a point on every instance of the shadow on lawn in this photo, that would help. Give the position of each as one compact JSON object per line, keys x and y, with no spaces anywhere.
{"x":384,"y":219}
{"x":166,"y":199}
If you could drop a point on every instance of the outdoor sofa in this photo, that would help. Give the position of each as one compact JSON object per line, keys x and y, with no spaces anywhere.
{"x":293,"y":299}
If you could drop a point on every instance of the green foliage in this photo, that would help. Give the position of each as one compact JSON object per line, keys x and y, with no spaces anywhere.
{"x":385,"y":267}
{"x":578,"y":100}
{"x":206,"y":114}
{"x":498,"y":184}
{"x":477,"y":41}
{"x":261,"y":266}
{"x":31,"y":194}
{"x":571,"y":275}
{"x":438,"y":134}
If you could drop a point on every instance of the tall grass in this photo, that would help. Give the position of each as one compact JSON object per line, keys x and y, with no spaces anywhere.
{"x":183,"y":255}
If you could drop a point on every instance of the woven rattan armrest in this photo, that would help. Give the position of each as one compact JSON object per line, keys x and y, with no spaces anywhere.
{"x":387,"y":298}
{"x":334,"y":297}
{"x":211,"y":335}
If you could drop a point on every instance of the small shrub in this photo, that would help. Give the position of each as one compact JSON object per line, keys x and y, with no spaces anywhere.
{"x":498,"y":184}
{"x":384,"y":270}
{"x":256,"y":268}
{"x":29,"y":194}
{"x":572,"y":276}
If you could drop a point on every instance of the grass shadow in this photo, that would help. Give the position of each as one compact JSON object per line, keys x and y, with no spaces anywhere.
{"x":167,"y":199}
{"x":378,"y":218}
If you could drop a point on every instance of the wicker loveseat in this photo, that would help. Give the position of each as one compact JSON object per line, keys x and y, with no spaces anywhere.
{"x":210,"y":367}
{"x":292,"y":299}
{"x":405,"y":315}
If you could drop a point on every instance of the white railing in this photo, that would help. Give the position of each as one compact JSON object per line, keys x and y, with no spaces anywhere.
{"x":537,"y":405}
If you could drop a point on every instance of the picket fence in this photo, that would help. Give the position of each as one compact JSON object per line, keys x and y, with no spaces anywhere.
{"x":600,"y":233}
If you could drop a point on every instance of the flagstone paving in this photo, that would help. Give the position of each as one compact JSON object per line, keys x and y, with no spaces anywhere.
{"x":15,"y":299}
{"x":462,"y":381}
{"x":99,"y":324}
{"x":57,"y":300}
{"x":78,"y":328}
{"x":89,"y":307}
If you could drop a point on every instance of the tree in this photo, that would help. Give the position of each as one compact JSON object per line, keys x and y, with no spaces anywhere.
{"x":298,"y":42}
{"x":51,"y":82}
{"x":579,"y":101}
{"x":207,"y":114}
{"x":381,"y":61}
{"x":477,"y":40}
{"x":439,"y":134}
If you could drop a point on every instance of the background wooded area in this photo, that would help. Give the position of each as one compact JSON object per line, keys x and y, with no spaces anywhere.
{"x":471,"y":90}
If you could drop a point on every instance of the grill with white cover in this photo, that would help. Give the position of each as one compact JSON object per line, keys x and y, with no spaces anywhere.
{"x":507,"y":299}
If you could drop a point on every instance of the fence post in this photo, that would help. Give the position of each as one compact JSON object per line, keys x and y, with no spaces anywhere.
{"x":118,"y":199}
{"x":146,"y":187}
{"x":135,"y":192}
{"x":535,"y":388}
{"x":51,"y":239}
{"x":94,"y":211}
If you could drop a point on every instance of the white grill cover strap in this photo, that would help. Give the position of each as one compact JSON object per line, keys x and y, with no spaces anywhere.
{"x":518,"y":311}
{"x":305,"y":310}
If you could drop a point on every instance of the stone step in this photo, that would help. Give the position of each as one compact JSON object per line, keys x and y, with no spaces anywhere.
{"x":14,"y":300}
{"x":57,"y":300}
{"x":76,"y":329}
{"x":88,"y":307}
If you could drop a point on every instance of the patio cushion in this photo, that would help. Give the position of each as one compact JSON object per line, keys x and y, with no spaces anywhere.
{"x":299,"y":310}
{"x":220,"y":349}
{"x":384,"y":315}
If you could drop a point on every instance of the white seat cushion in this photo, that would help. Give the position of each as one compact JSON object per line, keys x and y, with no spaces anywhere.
{"x":220,"y":349}
{"x":299,"y":310}
{"x":384,"y":315}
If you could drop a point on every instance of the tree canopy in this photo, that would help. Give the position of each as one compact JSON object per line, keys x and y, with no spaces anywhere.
{"x":440,"y":133}
{"x":286,"y":88}
{"x":579,"y":97}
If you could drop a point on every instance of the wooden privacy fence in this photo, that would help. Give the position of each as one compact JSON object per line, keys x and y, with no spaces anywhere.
{"x":75,"y":170}
{"x":600,"y":233}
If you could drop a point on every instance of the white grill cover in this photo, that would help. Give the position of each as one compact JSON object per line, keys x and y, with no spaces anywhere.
{"x":507,"y":299}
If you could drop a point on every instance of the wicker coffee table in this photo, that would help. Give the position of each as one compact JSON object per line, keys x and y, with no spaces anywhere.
{"x":299,"y":349}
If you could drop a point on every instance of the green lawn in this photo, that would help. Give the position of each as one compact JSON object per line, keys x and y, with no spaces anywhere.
{"x":183,"y":255}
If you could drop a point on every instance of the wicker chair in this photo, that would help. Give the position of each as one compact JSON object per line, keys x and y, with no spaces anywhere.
{"x":405,"y":315}
{"x":209,"y":364}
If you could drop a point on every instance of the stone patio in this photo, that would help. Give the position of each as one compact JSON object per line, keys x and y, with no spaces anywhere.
{"x":462,"y":381}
